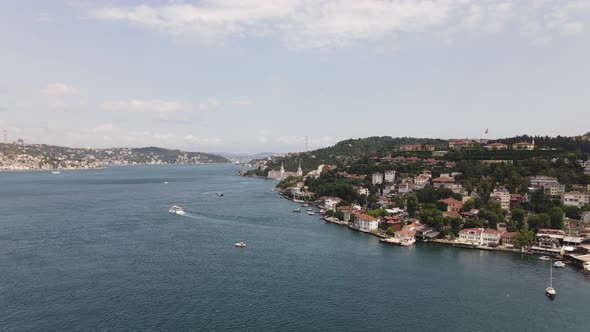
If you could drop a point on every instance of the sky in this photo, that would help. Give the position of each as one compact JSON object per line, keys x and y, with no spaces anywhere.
{"x":249,"y":76}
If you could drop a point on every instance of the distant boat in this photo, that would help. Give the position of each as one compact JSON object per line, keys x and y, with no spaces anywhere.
{"x":544,"y":258}
{"x":219,"y":194}
{"x":56,"y":172}
{"x":408,"y":242}
{"x":165,"y":182}
{"x":297,"y":200}
{"x":309,"y":209}
{"x":297,"y":210}
{"x":176,"y":209}
{"x":559,"y":264}
{"x":550,"y":291}
{"x":586,"y":267}
{"x":305,"y":205}
{"x":311,"y":213}
{"x":240,"y":244}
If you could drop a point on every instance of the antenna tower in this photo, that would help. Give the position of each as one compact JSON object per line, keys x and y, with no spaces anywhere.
{"x":306,"y":144}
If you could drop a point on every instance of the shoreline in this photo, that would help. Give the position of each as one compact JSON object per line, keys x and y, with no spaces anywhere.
{"x":105,"y":166}
{"x":391,"y":240}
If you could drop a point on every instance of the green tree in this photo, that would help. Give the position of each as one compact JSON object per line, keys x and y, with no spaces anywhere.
{"x":339,"y":215}
{"x":537,"y":221}
{"x":412,"y":205}
{"x":523,"y":238}
{"x":468,"y":205}
{"x":390,"y":231}
{"x":433,"y":218}
{"x":556,"y":217}
{"x":518,"y":215}
{"x":573,"y":212}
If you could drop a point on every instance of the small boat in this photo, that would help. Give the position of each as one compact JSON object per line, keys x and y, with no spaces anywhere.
{"x":559,"y":264}
{"x":240,"y":244}
{"x":311,"y":213}
{"x":219,"y":194}
{"x":176,"y":209}
{"x":550,"y":291}
{"x":297,"y":210}
{"x":305,"y":205}
{"x":586,"y":267}
{"x":55,"y":172}
{"x":165,"y":182}
{"x":407,"y":242}
{"x":309,"y":209}
{"x":544,"y":258}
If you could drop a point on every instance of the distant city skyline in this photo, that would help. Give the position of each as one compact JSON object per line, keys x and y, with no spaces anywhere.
{"x":254,"y":75}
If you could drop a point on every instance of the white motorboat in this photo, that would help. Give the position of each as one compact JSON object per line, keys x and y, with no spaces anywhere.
{"x":219,"y":194}
{"x":56,"y":172}
{"x":309,"y":209}
{"x":559,"y":264}
{"x":408,"y":242}
{"x":305,"y":205}
{"x":176,"y":209}
{"x":240,"y":244}
{"x":311,"y":213}
{"x":544,"y":258}
{"x":297,"y":210}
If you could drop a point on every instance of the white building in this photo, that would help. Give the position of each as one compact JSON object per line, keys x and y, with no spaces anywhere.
{"x":363,"y":191}
{"x":331,"y":202}
{"x":377,"y":178}
{"x":502,"y":196}
{"x":390,"y":176}
{"x":365,"y":223}
{"x":471,"y":235}
{"x":575,"y":198}
{"x":490,"y":237}
{"x":421,"y":181}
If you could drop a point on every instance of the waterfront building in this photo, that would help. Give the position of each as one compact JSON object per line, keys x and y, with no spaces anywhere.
{"x":404,"y":234}
{"x":365,"y":223}
{"x":575,"y":198}
{"x":392,"y":221}
{"x":331,"y":202}
{"x":490,"y":237}
{"x":471,"y":235}
{"x":508,"y":239}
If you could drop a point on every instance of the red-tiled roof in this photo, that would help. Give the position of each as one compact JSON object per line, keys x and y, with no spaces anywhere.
{"x":474,"y":230}
{"x":443,"y":179}
{"x":450,"y":201}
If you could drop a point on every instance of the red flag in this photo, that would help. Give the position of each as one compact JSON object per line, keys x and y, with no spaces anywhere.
{"x":486,"y":130}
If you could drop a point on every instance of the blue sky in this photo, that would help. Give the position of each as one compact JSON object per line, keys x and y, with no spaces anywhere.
{"x":258,"y":75}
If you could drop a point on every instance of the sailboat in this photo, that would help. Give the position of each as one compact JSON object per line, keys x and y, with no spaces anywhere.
{"x":550,"y":291}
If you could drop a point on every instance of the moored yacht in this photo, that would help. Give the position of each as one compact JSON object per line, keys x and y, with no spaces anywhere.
{"x":550,"y":291}
{"x":311,"y":213}
{"x":544,"y":258}
{"x":297,"y":210}
{"x":240,"y":244}
{"x":55,"y":172}
{"x":407,"y":242}
{"x":176,"y":209}
{"x":559,"y":264}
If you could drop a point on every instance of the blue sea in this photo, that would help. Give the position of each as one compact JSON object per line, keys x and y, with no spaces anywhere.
{"x":97,"y":250}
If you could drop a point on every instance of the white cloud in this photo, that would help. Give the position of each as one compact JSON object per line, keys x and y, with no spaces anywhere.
{"x":240,"y":103}
{"x":202,"y":140}
{"x":333,"y":23}
{"x":57,"y":90}
{"x":103,"y":128}
{"x":570,"y":28}
{"x":143,"y":105}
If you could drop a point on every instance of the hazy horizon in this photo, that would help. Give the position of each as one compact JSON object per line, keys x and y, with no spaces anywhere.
{"x":251,"y":76}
